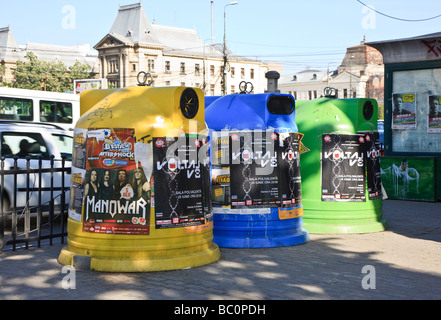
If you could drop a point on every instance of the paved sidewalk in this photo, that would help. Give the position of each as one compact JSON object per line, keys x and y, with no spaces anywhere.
{"x":406,"y":259}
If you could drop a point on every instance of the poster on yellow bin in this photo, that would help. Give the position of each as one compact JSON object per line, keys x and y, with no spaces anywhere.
{"x":182,"y":167}
{"x":115,"y":193}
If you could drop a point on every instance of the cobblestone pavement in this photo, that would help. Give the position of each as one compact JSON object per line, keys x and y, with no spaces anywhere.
{"x":406,"y":261}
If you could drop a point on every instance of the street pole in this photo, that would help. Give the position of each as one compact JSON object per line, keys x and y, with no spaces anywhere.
{"x":224,"y":71}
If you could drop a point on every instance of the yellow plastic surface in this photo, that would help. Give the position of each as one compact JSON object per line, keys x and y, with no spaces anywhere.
{"x":155,"y":112}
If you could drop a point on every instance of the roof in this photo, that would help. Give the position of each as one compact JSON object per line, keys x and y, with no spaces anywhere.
{"x":8,"y":46}
{"x":11,"y":51}
{"x":420,"y":48}
{"x":305,"y":76}
{"x":132,"y":25}
{"x":423,"y":37}
{"x":67,"y":55}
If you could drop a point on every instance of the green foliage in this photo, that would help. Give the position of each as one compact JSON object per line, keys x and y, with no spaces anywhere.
{"x":52,"y":75}
{"x":380,"y":111}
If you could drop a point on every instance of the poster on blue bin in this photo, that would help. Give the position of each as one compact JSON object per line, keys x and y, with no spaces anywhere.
{"x":256,"y":169}
{"x":290,"y":178}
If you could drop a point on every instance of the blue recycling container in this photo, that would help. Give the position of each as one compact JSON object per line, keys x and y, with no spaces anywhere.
{"x":255,"y":171}
{"x":210,"y":99}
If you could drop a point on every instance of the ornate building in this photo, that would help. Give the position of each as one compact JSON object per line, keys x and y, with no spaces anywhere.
{"x":174,"y":56}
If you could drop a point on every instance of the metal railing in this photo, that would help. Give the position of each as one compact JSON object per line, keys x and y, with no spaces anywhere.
{"x":33,"y":225}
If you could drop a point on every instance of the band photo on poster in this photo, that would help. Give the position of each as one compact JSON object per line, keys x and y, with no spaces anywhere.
{"x":116,"y":190}
{"x":403,"y":111}
{"x":434,"y":116}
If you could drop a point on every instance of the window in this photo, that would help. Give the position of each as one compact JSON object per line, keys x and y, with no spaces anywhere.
{"x":182,"y":70}
{"x":133,"y":67}
{"x":167,"y":67}
{"x":197,"y":70}
{"x":212,"y":70}
{"x":252,"y":73}
{"x":64,"y":145}
{"x":24,"y":144}
{"x":54,"y":111}
{"x":233,"y":72}
{"x":113,"y":65}
{"x":242,"y":73}
{"x":345,"y":93}
{"x":167,"y":83}
{"x":151,"y":65}
{"x":182,"y":84}
{"x":424,"y":83}
{"x":309,"y":95}
{"x":233,"y":89}
{"x":315,"y":94}
{"x":16,"y":109}
{"x":113,"y":83}
{"x":212,"y":89}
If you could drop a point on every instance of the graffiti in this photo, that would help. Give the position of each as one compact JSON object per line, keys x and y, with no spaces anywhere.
{"x":402,"y":177}
{"x":434,"y":47}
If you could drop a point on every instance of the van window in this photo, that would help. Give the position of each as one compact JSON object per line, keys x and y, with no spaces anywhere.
{"x":54,"y":111}
{"x":64,"y":144}
{"x":16,"y":109}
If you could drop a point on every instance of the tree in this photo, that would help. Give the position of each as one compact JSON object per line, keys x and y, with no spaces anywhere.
{"x":2,"y":74}
{"x":52,"y":75}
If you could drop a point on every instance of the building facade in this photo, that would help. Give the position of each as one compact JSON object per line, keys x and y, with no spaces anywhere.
{"x":173,"y":56}
{"x":360,"y":75}
{"x":11,"y":52}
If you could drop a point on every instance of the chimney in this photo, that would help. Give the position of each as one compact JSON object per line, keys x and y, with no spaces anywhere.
{"x":273,"y":77}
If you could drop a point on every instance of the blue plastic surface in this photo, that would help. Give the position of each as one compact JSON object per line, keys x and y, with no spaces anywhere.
{"x":262,"y":227}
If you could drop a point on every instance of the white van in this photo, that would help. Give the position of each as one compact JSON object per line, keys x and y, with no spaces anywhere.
{"x":62,"y":109}
{"x":33,"y":140}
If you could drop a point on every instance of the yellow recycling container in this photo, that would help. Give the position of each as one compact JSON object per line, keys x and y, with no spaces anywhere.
{"x":140,"y":182}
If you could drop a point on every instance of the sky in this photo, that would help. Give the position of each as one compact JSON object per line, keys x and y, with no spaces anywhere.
{"x":299,"y":33}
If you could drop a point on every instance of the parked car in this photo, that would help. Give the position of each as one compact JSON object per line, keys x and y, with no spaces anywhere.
{"x":30,"y":141}
{"x":381,"y":133}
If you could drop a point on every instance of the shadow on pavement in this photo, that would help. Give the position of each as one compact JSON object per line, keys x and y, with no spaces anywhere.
{"x":404,"y":260}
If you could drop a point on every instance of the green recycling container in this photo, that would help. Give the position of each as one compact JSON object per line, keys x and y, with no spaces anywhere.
{"x":341,"y":176}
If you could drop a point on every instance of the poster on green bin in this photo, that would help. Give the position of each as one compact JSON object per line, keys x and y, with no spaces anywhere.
{"x":408,"y":178}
